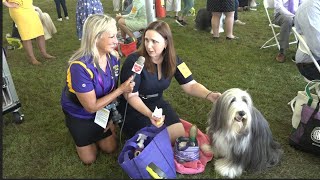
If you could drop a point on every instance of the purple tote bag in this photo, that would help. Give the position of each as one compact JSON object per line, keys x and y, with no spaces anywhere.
{"x":157,"y":150}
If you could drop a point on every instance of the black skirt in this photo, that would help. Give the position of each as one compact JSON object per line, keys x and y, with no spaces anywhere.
{"x":135,"y":120}
{"x":221,"y":5}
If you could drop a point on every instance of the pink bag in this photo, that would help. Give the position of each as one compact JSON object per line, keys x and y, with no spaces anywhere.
{"x":196,"y":166}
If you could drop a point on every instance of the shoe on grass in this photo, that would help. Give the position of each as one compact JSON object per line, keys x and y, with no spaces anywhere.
{"x":280,"y":58}
{"x":59,"y":19}
{"x":238,"y":22}
{"x":181,"y":22}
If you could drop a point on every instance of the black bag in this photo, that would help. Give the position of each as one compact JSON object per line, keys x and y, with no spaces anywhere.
{"x":203,"y":19}
{"x":307,"y":136}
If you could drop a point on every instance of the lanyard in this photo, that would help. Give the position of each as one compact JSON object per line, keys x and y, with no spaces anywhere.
{"x":101,"y":76}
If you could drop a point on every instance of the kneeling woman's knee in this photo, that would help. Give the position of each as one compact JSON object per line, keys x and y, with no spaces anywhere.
{"x":87,"y":154}
{"x":87,"y":160}
{"x":175,"y":130}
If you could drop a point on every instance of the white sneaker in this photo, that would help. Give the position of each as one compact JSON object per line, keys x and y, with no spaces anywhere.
{"x":59,"y":19}
{"x":67,"y":18}
{"x":239,"y":22}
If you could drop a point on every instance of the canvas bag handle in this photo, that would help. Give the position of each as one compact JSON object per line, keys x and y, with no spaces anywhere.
{"x":311,"y":85}
{"x":146,"y":133}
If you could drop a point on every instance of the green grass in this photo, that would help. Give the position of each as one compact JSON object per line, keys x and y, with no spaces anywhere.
{"x":41,"y":146}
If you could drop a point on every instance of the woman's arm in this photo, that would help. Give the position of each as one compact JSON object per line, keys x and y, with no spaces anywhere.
{"x":10,"y":4}
{"x":89,"y":101}
{"x":196,"y":89}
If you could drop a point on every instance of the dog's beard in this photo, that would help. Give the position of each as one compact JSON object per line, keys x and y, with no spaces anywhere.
{"x":240,"y":118}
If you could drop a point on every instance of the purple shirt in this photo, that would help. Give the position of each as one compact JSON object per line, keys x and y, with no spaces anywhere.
{"x":86,"y":77}
{"x":283,"y":7}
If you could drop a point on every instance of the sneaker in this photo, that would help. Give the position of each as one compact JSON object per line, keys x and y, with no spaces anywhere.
{"x":239,"y":22}
{"x":246,"y":8}
{"x":280,"y":58}
{"x":59,"y":19}
{"x":181,"y":22}
{"x":67,"y":17}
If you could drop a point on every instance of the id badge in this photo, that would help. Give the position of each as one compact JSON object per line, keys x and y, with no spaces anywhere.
{"x":102,"y":117}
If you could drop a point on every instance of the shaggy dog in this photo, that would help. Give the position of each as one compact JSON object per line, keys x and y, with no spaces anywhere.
{"x":240,"y":137}
{"x":203,"y":20}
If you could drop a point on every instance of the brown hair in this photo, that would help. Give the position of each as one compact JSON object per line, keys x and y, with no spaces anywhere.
{"x":169,"y":53}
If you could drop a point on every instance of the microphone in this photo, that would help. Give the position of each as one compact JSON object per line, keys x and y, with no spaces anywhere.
{"x":138,"y":66}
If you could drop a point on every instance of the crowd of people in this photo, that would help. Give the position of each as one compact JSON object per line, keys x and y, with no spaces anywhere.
{"x":93,"y":87}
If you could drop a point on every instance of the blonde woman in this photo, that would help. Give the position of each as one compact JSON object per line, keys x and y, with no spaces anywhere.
{"x":91,"y":85}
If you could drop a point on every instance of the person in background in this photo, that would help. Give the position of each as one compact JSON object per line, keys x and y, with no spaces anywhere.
{"x":84,"y":9}
{"x":127,"y":8}
{"x":188,"y":4}
{"x":307,"y":23}
{"x":29,"y":26}
{"x":174,"y":5}
{"x":91,"y":85}
{"x":161,"y":65}
{"x":64,"y":7}
{"x":116,"y":5}
{"x":236,"y":20}
{"x":217,"y":7}
{"x":284,"y":12}
{"x":134,"y":21}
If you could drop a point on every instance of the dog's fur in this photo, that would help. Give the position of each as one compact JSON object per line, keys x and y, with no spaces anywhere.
{"x":203,"y":20}
{"x":240,"y":137}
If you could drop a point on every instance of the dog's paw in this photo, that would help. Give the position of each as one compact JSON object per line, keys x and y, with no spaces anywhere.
{"x":225,"y":168}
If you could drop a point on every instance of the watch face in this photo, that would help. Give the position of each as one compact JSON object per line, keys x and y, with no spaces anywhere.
{"x":315,"y":135}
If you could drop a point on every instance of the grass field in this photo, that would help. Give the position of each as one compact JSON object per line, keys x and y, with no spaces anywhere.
{"x":41,"y":146}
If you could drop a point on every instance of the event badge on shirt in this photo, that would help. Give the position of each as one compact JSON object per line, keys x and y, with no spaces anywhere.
{"x":185,"y":71}
{"x":102,"y":117}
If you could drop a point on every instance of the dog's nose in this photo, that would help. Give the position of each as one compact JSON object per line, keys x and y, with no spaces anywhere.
{"x":241,"y":113}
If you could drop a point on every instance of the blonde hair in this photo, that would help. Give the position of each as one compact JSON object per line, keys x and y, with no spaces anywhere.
{"x":93,"y":28}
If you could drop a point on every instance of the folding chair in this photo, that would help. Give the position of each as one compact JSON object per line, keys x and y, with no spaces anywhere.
{"x":269,"y":4}
{"x":302,"y":45}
